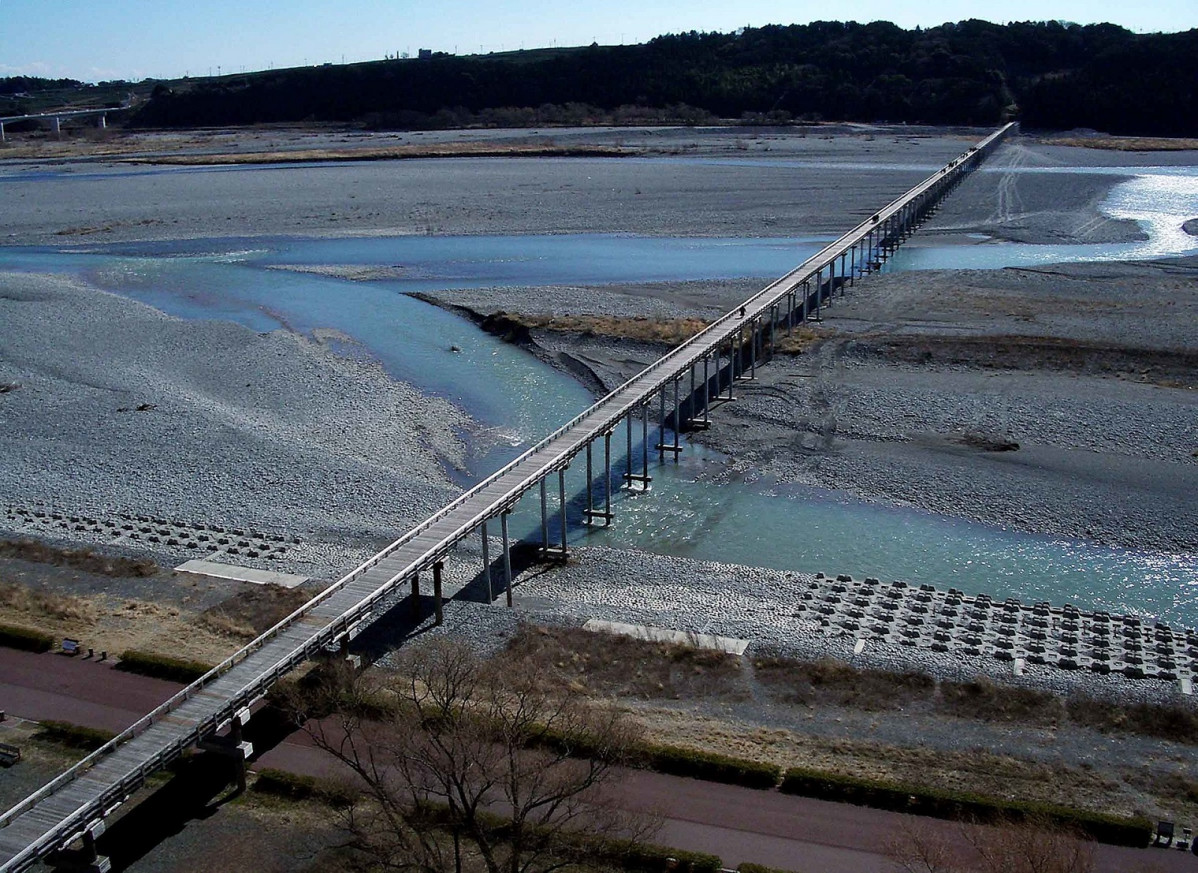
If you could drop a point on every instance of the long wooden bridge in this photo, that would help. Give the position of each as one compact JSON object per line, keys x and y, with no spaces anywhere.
{"x":674,"y":393}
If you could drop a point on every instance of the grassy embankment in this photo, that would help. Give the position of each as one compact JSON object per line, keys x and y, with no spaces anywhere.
{"x":110,"y":622}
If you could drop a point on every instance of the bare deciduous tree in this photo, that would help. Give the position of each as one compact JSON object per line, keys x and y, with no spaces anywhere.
{"x":473,"y":764}
{"x":919,"y":846}
{"x":1024,"y":847}
{"x":1030,"y":847}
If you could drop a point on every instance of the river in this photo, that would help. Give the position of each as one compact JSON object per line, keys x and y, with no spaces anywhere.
{"x":517,"y":399}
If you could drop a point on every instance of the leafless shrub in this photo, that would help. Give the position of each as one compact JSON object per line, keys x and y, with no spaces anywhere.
{"x":474,"y":760}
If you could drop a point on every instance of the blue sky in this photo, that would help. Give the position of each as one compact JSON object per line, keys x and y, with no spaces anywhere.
{"x":135,"y":39}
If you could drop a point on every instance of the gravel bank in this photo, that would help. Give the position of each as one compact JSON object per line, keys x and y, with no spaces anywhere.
{"x":767,"y":183}
{"x":235,"y":428}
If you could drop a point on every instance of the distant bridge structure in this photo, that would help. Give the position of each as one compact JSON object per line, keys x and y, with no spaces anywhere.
{"x":56,"y":118}
{"x":671,"y":396}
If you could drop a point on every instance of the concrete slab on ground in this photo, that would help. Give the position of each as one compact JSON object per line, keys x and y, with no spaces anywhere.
{"x":242,"y":574}
{"x":729,"y":645}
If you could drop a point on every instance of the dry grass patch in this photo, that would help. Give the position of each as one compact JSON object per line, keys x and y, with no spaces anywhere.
{"x":1177,"y":787}
{"x":987,"y":700}
{"x":972,"y":771}
{"x":85,"y":559}
{"x":606,"y":664}
{"x":113,"y":624}
{"x":832,"y":682}
{"x":252,"y":611}
{"x":1176,"y":723}
{"x":670,"y":331}
{"x":391,"y":153}
{"x":39,"y":607}
{"x":1127,"y":143}
{"x":1013,"y":352}
{"x":800,"y":340}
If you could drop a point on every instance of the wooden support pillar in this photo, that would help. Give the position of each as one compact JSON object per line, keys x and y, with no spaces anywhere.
{"x":590,"y":486}
{"x":645,"y":445}
{"x":819,"y":292}
{"x":507,"y":556}
{"x":692,"y":394}
{"x":677,"y":420}
{"x":628,"y":475}
{"x":416,"y":596}
{"x":843,"y":256}
{"x":561,"y":497}
{"x":642,"y":478}
{"x":706,"y":387}
{"x":753,"y":334}
{"x":661,"y":430}
{"x":487,"y":563}
{"x":607,"y":516}
{"x":544,"y":519}
{"x":438,"y":605}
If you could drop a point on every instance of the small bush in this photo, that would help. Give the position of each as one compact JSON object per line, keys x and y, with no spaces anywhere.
{"x":748,"y":867}
{"x":710,"y":766}
{"x":73,"y":735}
{"x":41,"y":606}
{"x":985,"y":699}
{"x":162,"y":667}
{"x":648,"y":858}
{"x":836,"y":682}
{"x":26,"y":549}
{"x":879,"y":794}
{"x":280,"y":783}
{"x":1166,"y":722}
{"x":25,"y":639}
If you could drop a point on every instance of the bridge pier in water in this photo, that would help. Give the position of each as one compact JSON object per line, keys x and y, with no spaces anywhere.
{"x":590,"y":513}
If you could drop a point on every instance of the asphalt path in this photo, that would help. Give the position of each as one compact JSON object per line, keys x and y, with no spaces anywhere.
{"x":738,"y":824}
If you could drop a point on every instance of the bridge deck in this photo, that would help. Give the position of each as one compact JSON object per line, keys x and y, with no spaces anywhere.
{"x":65,"y":807}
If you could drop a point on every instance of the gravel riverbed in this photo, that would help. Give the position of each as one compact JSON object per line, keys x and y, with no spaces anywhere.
{"x":116,"y":408}
{"x":275,"y":431}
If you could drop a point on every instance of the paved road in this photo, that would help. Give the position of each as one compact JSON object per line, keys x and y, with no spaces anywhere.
{"x":738,"y":824}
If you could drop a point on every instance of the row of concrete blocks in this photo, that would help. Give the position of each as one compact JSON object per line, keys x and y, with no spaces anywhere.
{"x":926,"y":617}
{"x":46,"y":511}
{"x":152,"y":531}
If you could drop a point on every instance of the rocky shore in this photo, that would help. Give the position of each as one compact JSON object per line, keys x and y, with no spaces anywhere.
{"x":115,"y":408}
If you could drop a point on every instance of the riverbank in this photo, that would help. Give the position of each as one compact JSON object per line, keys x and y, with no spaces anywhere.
{"x":733,"y":182}
{"x":113,"y":407}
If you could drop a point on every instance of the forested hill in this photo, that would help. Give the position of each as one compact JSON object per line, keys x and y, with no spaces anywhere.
{"x":1048,"y":75}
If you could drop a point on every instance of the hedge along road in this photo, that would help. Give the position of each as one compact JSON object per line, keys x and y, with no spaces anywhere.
{"x":738,"y":824}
